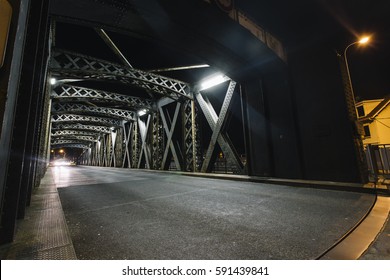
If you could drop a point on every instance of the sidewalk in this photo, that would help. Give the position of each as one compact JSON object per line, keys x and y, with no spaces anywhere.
{"x":43,"y":233}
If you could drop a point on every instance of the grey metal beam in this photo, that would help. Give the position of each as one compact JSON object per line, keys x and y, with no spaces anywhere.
{"x":72,"y":65}
{"x":145,"y":149}
{"x":127,"y":137}
{"x":66,"y":118}
{"x":83,"y":127}
{"x":112,"y":46}
{"x":75,"y":137}
{"x":169,"y":130}
{"x":216,"y":124}
{"x":70,"y":145}
{"x":66,"y":92}
{"x":69,"y":141}
{"x":58,"y":108}
{"x":74,"y":132}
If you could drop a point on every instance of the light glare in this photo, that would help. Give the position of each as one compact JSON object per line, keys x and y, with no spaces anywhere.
{"x":53,"y":81}
{"x":364,"y":40}
{"x":142,"y":112}
{"x":213,"y":81}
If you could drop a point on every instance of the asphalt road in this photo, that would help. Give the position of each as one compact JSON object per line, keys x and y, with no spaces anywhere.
{"x":133,"y":214}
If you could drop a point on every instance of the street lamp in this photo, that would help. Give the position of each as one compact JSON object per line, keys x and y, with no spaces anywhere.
{"x":362,"y":41}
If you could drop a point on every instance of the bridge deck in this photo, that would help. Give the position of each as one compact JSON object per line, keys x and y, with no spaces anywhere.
{"x":133,"y":214}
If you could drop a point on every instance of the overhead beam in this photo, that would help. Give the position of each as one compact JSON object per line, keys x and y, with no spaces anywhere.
{"x":80,"y":127}
{"x":68,"y":118}
{"x":81,"y":108}
{"x":69,"y":141}
{"x":70,"y":145}
{"x":75,"y":137}
{"x":74,"y":132}
{"x":66,"y":92}
{"x":112,"y":46}
{"x":72,"y":65}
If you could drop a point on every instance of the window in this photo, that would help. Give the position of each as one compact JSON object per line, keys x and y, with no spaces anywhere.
{"x":367,"y":132}
{"x":360,"y":111}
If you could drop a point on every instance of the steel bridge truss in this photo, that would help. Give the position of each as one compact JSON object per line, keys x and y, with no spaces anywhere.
{"x":165,"y":137}
{"x":58,"y":108}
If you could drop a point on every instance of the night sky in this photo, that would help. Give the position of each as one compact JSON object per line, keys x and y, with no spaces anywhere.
{"x":336,"y":23}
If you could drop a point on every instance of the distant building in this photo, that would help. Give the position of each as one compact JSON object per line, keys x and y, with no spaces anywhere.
{"x":374,"y":115}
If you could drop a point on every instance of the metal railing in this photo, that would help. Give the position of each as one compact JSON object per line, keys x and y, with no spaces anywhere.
{"x":378,"y":160}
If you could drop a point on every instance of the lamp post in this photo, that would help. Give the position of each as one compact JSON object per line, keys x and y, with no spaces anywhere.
{"x":362,"y":41}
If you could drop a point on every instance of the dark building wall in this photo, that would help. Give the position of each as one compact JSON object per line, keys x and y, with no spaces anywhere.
{"x":22,"y":162}
{"x":273,"y":139}
{"x":325,"y":131}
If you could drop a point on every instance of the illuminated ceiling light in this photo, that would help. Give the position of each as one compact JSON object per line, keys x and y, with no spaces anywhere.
{"x":213,"y":81}
{"x":53,"y":81}
{"x":364,"y":40}
{"x":142,"y":112}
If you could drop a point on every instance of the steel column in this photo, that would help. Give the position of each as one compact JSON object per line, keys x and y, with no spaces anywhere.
{"x":169,"y":130}
{"x":216,"y":123}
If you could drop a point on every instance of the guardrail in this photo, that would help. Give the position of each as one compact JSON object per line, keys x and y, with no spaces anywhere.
{"x":378,"y":160}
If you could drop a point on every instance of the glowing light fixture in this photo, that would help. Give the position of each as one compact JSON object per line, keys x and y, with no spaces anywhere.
{"x":53,"y":81}
{"x":142,"y":112}
{"x":213,"y":81}
{"x":364,"y":40}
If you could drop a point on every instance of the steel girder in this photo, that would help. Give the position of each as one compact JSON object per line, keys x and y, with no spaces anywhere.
{"x":71,"y":145}
{"x":73,"y":65}
{"x":75,"y":137}
{"x":169,"y":127}
{"x":216,"y":123}
{"x":66,"y":118}
{"x":157,"y":141}
{"x":67,"y":92}
{"x":70,"y":141}
{"x":74,"y":132}
{"x":145,"y":151}
{"x":191,"y":137}
{"x":135,"y":145}
{"x":80,"y":127}
{"x":58,"y":108}
{"x":127,"y":129}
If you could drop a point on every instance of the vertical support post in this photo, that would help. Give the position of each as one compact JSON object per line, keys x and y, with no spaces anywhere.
{"x":135,"y":146}
{"x":157,"y":141}
{"x":216,"y":123}
{"x":127,"y":137}
{"x":113,"y":135}
{"x":372,"y":161}
{"x":145,"y":149}
{"x":190,"y":136}
{"x":169,"y":130}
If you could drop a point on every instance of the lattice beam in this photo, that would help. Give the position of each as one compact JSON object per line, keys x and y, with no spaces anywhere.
{"x":70,"y":145}
{"x":74,"y":132}
{"x":73,"y":65}
{"x":81,"y":108}
{"x":83,"y":127}
{"x":66,"y":118}
{"x":75,"y":137}
{"x":69,"y":141}
{"x":67,"y":92}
